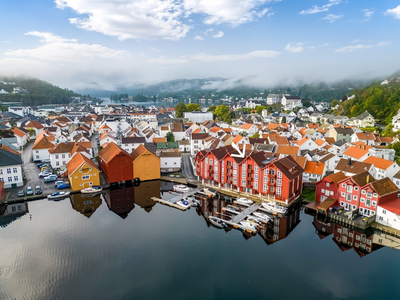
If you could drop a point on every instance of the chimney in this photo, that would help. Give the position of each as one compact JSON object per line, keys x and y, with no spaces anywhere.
{"x":317,"y":163}
{"x":367,"y":178}
{"x":349,"y":161}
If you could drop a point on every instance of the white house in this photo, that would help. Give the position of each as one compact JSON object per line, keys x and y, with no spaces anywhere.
{"x":10,"y":169}
{"x":388,"y":214}
{"x":170,"y":161}
{"x":198,"y":116}
{"x":307,"y":144}
{"x":197,"y":142}
{"x":384,"y":168}
{"x":131,"y":143}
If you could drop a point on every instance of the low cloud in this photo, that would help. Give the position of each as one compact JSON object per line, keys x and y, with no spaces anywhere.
{"x":368,"y":12}
{"x":166,"y":60}
{"x":198,"y":37}
{"x":232,"y":57}
{"x":332,"y":18}
{"x":294,"y":47}
{"x":353,"y":48}
{"x":219,"y":34}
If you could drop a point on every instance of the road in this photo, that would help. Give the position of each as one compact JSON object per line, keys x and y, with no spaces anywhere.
{"x":187,"y":167}
{"x":94,"y":144}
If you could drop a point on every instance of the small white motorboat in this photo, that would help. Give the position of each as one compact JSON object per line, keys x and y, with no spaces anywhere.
{"x":232,"y":209}
{"x":92,"y":189}
{"x":58,"y":195}
{"x":249,"y":225}
{"x":192,"y":201}
{"x":244,"y":201}
{"x":253,"y":219}
{"x":181,"y":188}
{"x":210,"y":192}
{"x":217,"y":222}
{"x":274,"y":208}
{"x":263,"y":217}
{"x":183,"y":203}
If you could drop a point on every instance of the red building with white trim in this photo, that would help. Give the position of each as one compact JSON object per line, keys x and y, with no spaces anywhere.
{"x":328,"y":186}
{"x":251,"y":172}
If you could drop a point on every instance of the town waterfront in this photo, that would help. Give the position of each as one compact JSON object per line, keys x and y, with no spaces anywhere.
{"x":122,"y":245}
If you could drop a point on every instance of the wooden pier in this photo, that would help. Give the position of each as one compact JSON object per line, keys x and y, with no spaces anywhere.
{"x":179,"y":196}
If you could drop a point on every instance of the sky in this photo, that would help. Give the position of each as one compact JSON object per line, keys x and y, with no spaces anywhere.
{"x":106,"y":44}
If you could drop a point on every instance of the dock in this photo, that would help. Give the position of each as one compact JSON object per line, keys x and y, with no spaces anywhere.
{"x":237,"y":225}
{"x":172,"y":202}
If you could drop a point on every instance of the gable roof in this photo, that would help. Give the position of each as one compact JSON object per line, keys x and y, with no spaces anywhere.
{"x":110,"y":151}
{"x":62,"y":148}
{"x":356,"y":152}
{"x":314,"y":167}
{"x":335,"y":177}
{"x":139,"y":151}
{"x":34,"y":124}
{"x":289,"y":167}
{"x":384,"y":186}
{"x":77,"y":161}
{"x":379,"y":163}
{"x":288,"y":150}
{"x":355,"y":167}
{"x":8,"y":158}
{"x":237,"y":139}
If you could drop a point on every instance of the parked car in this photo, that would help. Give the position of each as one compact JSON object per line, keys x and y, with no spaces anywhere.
{"x":45,"y":174}
{"x":29,"y":191}
{"x":63,"y":186}
{"x":21,"y":193}
{"x":46,"y":160}
{"x":44,"y":166}
{"x":40,"y":165}
{"x":38,"y":190}
{"x":58,"y":181}
{"x":50,"y":178}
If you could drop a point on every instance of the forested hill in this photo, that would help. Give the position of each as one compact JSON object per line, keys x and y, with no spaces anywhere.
{"x":381,"y":101}
{"x":39,"y":91}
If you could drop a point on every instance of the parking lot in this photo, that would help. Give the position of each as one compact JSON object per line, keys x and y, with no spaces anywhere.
{"x":31,"y":173}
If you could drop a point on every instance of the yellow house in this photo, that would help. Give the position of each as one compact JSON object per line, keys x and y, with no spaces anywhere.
{"x":146,"y":165}
{"x":82,"y":172}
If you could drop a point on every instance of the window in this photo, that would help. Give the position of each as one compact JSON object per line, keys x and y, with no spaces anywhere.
{"x":243,"y":182}
{"x":355,"y":198}
{"x":349,"y":188}
{"x":272,"y":172}
{"x":8,"y":171}
{"x":166,"y":163}
{"x":57,"y":156}
{"x":368,"y":203}
{"x":369,"y":194}
{"x":362,"y":200}
{"x":256,"y":169}
{"x":9,"y":179}
{"x":348,"y":198}
{"x":327,"y":184}
{"x":356,"y":188}
{"x":37,"y":151}
{"x":85,"y":177}
{"x":322,"y":191}
{"x":15,"y":178}
{"x":363,"y":192}
{"x":344,"y":185}
{"x":265,"y":187}
{"x":375,"y":195}
{"x":63,"y":156}
{"x":373,"y":203}
{"x":174,"y":162}
{"x":235,"y":166}
{"x":343,"y":194}
{"x":1,"y":171}
{"x":384,"y":211}
{"x":265,"y":179}
{"x":15,"y":170}
{"x":57,"y":163}
{"x":1,"y":179}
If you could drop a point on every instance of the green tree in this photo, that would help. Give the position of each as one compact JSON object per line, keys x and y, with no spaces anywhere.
{"x":180,"y":109}
{"x":228,"y":117}
{"x":193,"y":107}
{"x":170,"y":137}
{"x":255,"y":136}
{"x":334,"y":102}
{"x":284,"y":120}
{"x":260,"y":109}
{"x":221,"y":110}
{"x":212,"y":108}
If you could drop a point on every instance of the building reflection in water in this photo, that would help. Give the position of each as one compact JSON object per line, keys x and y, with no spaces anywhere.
{"x":122,"y":201}
{"x":272,"y":232}
{"x":362,"y":242}
{"x":86,"y":204}
{"x":12,"y":212}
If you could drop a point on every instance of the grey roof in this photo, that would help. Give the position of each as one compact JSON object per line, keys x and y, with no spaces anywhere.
{"x":9,"y":159}
{"x":4,"y":126}
{"x":9,"y":142}
{"x":133,"y":140}
{"x":364,"y":115}
{"x":342,"y":130}
{"x":11,"y":115}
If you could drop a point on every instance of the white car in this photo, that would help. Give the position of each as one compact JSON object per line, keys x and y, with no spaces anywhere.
{"x":44,"y":174}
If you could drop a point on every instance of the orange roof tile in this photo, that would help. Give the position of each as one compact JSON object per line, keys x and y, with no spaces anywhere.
{"x":18,"y":132}
{"x":104,"y":126}
{"x":355,"y":152}
{"x":379,"y":163}
{"x":42,"y":143}
{"x":303,"y":141}
{"x":197,"y":130}
{"x":272,"y":126}
{"x":34,"y":124}
{"x":312,"y":125}
{"x":301,"y":160}
{"x":288,"y":150}
{"x":159,"y":140}
{"x":4,"y":147}
{"x":320,"y":142}
{"x":365,"y":136}
{"x":77,"y":161}
{"x":139,"y":151}
{"x":87,"y":145}
{"x":229,"y":130}
{"x":237,"y":139}
{"x":246,"y":126}
{"x":110,"y":151}
{"x":314,"y":167}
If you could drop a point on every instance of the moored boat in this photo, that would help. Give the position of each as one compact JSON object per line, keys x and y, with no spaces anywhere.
{"x":244,"y":201}
{"x":274,"y":208}
{"x":181,"y":188}
{"x":92,"y":189}
{"x":263,"y":217}
{"x":183,"y":203}
{"x":249,"y":225}
{"x":58,"y":195}
{"x":217,"y":222}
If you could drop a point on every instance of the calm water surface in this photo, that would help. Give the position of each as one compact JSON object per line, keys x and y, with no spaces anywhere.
{"x":123,"y":246}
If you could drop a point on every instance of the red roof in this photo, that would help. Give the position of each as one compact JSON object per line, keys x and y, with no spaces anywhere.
{"x":237,"y":139}
{"x":392,"y":206}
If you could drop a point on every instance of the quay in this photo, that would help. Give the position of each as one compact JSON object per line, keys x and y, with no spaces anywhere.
{"x":172,"y":202}
{"x":237,"y":225}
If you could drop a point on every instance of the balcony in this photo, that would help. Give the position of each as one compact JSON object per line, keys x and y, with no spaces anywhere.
{"x":271,"y":183}
{"x":229,"y":167}
{"x":271,"y":175}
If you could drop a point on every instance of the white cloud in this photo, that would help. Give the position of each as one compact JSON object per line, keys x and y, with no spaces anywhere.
{"x":395,"y":12}
{"x":294,"y":47}
{"x":368,"y":12}
{"x":5,"y":42}
{"x":324,"y":45}
{"x":198,"y":37}
{"x":382,"y":44}
{"x":151,"y":19}
{"x":233,"y":57}
{"x":332,"y":18}
{"x":208,"y":31}
{"x":219,"y":34}
{"x":234,"y":12}
{"x":270,"y":14}
{"x":356,"y":41}
{"x":310,"y":47}
{"x":154,"y":49}
{"x":353,"y":48}
{"x":48,"y":37}
{"x":56,"y":48}
{"x":165,"y":60}
{"x":317,"y":9}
